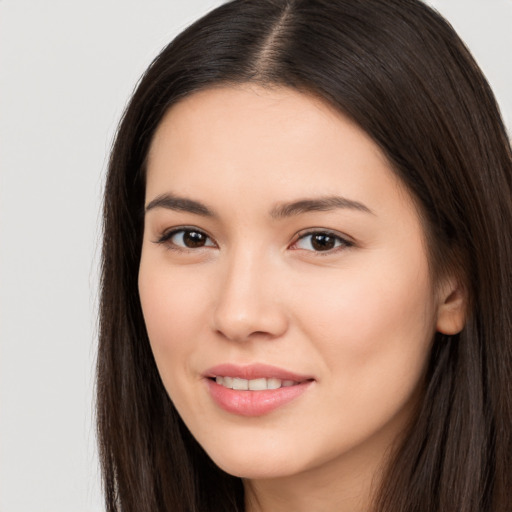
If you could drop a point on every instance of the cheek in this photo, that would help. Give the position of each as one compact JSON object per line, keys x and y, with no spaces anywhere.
{"x":374,"y":327}
{"x":173,"y":307}
{"x":174,"y":312}
{"x":365,"y":309}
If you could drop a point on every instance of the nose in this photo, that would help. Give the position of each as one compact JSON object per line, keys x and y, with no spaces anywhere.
{"x":248,"y":303}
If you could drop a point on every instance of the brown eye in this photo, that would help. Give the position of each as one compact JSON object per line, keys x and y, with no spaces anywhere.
{"x":187,"y":239}
{"x":193,"y":239}
{"x":321,"y":242}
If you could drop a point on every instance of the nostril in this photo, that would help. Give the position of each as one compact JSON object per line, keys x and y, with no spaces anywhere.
{"x":251,"y":316}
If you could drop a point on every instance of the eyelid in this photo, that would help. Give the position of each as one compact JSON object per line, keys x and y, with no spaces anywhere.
{"x":165,"y":236}
{"x":346,"y":241}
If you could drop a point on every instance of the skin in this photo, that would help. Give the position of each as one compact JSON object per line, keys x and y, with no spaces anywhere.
{"x":359,"y":318}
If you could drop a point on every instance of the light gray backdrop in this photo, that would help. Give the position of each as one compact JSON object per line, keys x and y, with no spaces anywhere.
{"x":66,"y":71}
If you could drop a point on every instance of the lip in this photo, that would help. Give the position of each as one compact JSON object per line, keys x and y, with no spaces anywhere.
{"x":254,"y":371}
{"x":254,"y":403}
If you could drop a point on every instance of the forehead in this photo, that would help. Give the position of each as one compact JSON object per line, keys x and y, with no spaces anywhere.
{"x":277,"y":143}
{"x":253,"y":114}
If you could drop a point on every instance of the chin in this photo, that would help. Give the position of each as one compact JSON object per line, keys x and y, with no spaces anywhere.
{"x":251,"y":470}
{"x":259,"y":465}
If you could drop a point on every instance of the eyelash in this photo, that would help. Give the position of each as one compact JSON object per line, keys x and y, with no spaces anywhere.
{"x":166,"y":237}
{"x":342,"y":243}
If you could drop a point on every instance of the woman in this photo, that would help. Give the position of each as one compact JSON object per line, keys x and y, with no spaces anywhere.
{"x":307,"y":292}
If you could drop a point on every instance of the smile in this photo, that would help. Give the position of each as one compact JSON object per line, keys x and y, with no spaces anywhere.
{"x":255,"y":389}
{"x":253,"y":384}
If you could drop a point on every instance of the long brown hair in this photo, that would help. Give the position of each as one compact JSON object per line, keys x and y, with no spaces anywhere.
{"x":399,"y":71}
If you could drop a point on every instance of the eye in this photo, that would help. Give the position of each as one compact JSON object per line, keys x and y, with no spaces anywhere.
{"x":320,"y":241}
{"x":186,"y":239}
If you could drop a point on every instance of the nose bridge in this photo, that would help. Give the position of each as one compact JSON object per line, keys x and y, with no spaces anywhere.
{"x":246,"y":302}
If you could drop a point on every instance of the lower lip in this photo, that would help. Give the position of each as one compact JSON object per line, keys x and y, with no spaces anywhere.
{"x":254,"y":403}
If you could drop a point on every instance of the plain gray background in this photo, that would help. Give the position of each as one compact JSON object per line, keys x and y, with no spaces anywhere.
{"x":67,"y":69}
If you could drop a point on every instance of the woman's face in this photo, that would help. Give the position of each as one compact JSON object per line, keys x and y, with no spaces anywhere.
{"x":280,"y":251}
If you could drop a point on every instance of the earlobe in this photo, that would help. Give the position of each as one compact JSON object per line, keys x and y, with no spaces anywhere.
{"x":451,"y":315}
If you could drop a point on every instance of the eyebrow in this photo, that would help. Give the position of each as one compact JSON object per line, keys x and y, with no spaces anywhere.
{"x":172,"y":202}
{"x":322,"y":204}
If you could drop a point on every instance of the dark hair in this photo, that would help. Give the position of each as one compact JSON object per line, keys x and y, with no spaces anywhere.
{"x":400,"y":72}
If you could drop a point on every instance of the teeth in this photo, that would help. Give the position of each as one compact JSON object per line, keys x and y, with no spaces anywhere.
{"x":241,"y":384}
{"x":257,"y":384}
{"x":273,"y":383}
{"x":253,"y":384}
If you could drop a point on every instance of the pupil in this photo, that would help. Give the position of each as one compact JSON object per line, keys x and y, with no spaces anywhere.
{"x":322,"y":242}
{"x":194,"y":239}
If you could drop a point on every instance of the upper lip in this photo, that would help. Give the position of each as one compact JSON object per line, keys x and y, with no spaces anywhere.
{"x":254,"y":371}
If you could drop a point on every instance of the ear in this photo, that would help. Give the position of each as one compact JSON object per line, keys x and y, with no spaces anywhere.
{"x":452,"y":304}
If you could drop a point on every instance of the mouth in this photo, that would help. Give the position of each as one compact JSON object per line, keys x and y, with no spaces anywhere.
{"x":254,"y":377}
{"x":254,"y":390}
{"x":253,"y":384}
